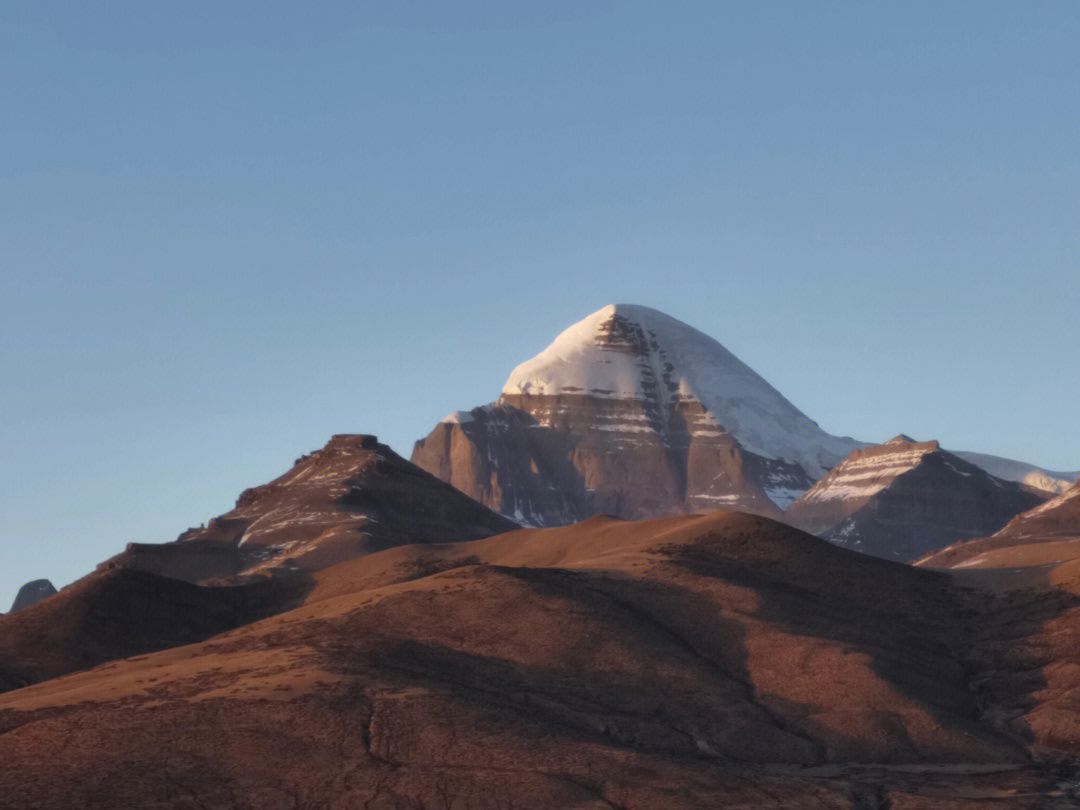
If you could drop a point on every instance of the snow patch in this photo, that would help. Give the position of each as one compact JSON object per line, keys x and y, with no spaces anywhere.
{"x":459,"y":418}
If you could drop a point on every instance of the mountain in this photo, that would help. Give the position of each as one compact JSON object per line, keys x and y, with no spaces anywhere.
{"x":32,"y":592}
{"x":1046,"y":535}
{"x":351,"y":497}
{"x":1028,"y":474}
{"x":901,"y":499}
{"x":635,"y":414}
{"x":1057,"y":519}
{"x":709,"y":661}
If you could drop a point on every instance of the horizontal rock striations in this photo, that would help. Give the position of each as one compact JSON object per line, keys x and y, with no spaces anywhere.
{"x":634,"y":414}
{"x":904,"y":498}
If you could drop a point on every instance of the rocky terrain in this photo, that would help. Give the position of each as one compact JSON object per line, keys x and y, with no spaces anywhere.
{"x":352,"y":497}
{"x":606,"y":664}
{"x":634,"y":414}
{"x":1057,"y":519}
{"x":904,"y":498}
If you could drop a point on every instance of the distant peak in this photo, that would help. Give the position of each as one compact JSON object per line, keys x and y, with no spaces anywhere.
{"x":352,"y":441}
{"x":32,"y":593}
{"x":631,"y":311}
{"x":904,"y":440}
{"x":643,"y":316}
{"x":617,"y":352}
{"x":340,"y":445}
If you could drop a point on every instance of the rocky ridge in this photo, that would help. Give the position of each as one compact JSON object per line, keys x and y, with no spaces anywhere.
{"x":1044,"y":536}
{"x":1053,"y":481}
{"x":352,"y":497}
{"x":904,"y":498}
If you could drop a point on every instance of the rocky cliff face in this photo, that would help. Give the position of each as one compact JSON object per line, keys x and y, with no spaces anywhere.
{"x":631,"y":413}
{"x":352,"y":497}
{"x":904,"y":498}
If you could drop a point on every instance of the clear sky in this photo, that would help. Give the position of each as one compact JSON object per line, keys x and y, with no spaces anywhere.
{"x":230,"y":230}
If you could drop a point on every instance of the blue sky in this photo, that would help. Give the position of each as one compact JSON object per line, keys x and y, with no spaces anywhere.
{"x":230,"y":230}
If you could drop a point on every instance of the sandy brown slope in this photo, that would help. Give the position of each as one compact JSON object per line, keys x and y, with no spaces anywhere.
{"x":711,"y":661}
{"x":117,"y":613}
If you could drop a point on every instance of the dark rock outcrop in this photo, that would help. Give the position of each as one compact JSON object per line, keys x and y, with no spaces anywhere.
{"x":902,"y":499}
{"x":31,"y":593}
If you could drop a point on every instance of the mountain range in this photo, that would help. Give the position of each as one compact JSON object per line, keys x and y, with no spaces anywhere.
{"x":639,"y":579}
{"x":904,"y":498}
{"x":632,"y":413}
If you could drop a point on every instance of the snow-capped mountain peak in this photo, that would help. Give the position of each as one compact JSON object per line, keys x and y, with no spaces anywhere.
{"x":625,"y":351}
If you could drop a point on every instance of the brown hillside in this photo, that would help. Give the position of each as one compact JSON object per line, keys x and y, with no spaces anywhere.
{"x":704,"y":661}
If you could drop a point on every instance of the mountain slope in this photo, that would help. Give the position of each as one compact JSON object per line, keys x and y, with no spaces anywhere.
{"x":117,"y":613}
{"x":606,"y":664}
{"x":351,"y":497}
{"x":1057,"y":519}
{"x":1036,"y":477}
{"x":904,"y":498}
{"x":632,"y":413}
{"x":1046,"y":535}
